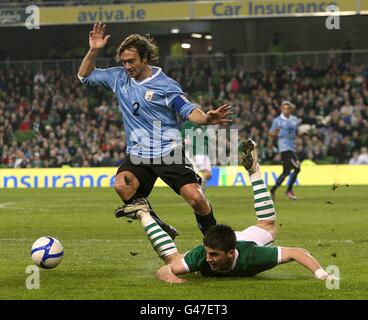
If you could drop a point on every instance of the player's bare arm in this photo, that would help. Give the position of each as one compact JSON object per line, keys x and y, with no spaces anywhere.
{"x":97,"y":40}
{"x":169,"y":272}
{"x":304,"y":258}
{"x":275,"y":134}
{"x":218,"y":116}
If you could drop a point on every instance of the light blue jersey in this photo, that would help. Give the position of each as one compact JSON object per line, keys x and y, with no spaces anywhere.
{"x":288,"y":128}
{"x":148,"y":109}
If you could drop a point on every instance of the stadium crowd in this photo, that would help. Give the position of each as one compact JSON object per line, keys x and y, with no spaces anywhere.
{"x":330,"y":100}
{"x":48,"y":119}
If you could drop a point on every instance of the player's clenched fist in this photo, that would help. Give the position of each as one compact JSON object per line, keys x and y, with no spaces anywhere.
{"x":97,"y":37}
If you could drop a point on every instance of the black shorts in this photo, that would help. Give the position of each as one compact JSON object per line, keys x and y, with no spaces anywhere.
{"x":175,"y":175}
{"x":290,"y":160}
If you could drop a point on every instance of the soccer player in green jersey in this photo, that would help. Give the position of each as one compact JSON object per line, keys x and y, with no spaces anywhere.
{"x":196,"y":146}
{"x":228,"y":253}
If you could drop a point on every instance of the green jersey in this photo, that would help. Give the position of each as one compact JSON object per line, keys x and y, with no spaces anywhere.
{"x":251,"y":259}
{"x":196,"y":134}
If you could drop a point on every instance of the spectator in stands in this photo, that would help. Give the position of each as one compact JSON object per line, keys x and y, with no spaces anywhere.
{"x":332,"y":100}
{"x":354,"y":159}
{"x":363,"y":156}
{"x":20,"y":160}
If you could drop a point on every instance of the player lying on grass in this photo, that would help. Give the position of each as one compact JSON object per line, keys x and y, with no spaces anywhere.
{"x":225,"y":252}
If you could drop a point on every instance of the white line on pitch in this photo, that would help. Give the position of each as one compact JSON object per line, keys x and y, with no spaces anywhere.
{"x":5,"y":205}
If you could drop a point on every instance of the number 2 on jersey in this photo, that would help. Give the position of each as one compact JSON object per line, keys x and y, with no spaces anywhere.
{"x":136,"y":108}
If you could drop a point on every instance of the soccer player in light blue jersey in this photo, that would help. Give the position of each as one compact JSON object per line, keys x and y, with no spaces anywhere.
{"x":284,"y":127}
{"x":149,"y":102}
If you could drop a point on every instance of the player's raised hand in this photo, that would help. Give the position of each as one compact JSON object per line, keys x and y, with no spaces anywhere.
{"x":97,"y":37}
{"x":219,"y":116}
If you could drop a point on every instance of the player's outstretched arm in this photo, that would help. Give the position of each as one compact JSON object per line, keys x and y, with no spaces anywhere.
{"x":218,"y":116}
{"x":97,"y":40}
{"x":304,"y":258}
{"x":169,"y":272}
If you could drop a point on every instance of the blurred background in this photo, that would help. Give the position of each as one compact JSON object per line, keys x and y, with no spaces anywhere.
{"x":250,"y":54}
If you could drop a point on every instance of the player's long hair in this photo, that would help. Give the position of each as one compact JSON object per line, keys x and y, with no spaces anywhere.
{"x":145,"y":46}
{"x":220,"y":237}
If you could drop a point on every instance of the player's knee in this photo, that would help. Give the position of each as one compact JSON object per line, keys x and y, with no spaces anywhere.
{"x":124,"y":192}
{"x":119,"y":186}
{"x":123,"y":189}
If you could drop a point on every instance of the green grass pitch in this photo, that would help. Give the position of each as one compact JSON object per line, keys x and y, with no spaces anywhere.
{"x":109,"y":258}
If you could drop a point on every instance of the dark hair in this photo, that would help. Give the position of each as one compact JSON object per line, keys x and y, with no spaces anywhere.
{"x":288,"y":103}
{"x":220,"y":237}
{"x":144,"y":45}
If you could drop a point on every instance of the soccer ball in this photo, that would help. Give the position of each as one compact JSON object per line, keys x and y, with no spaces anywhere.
{"x":47,"y":252}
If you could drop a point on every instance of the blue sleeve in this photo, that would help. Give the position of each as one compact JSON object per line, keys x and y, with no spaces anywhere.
{"x":275,"y":125}
{"x":178,"y":102}
{"x":106,"y":78}
{"x":182,"y":105}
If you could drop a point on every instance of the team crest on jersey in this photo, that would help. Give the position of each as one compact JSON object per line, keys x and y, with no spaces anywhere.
{"x":149,"y":95}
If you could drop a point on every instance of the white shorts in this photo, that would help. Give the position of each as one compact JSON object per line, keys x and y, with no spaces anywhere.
{"x":258,"y":235}
{"x":202,"y":162}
